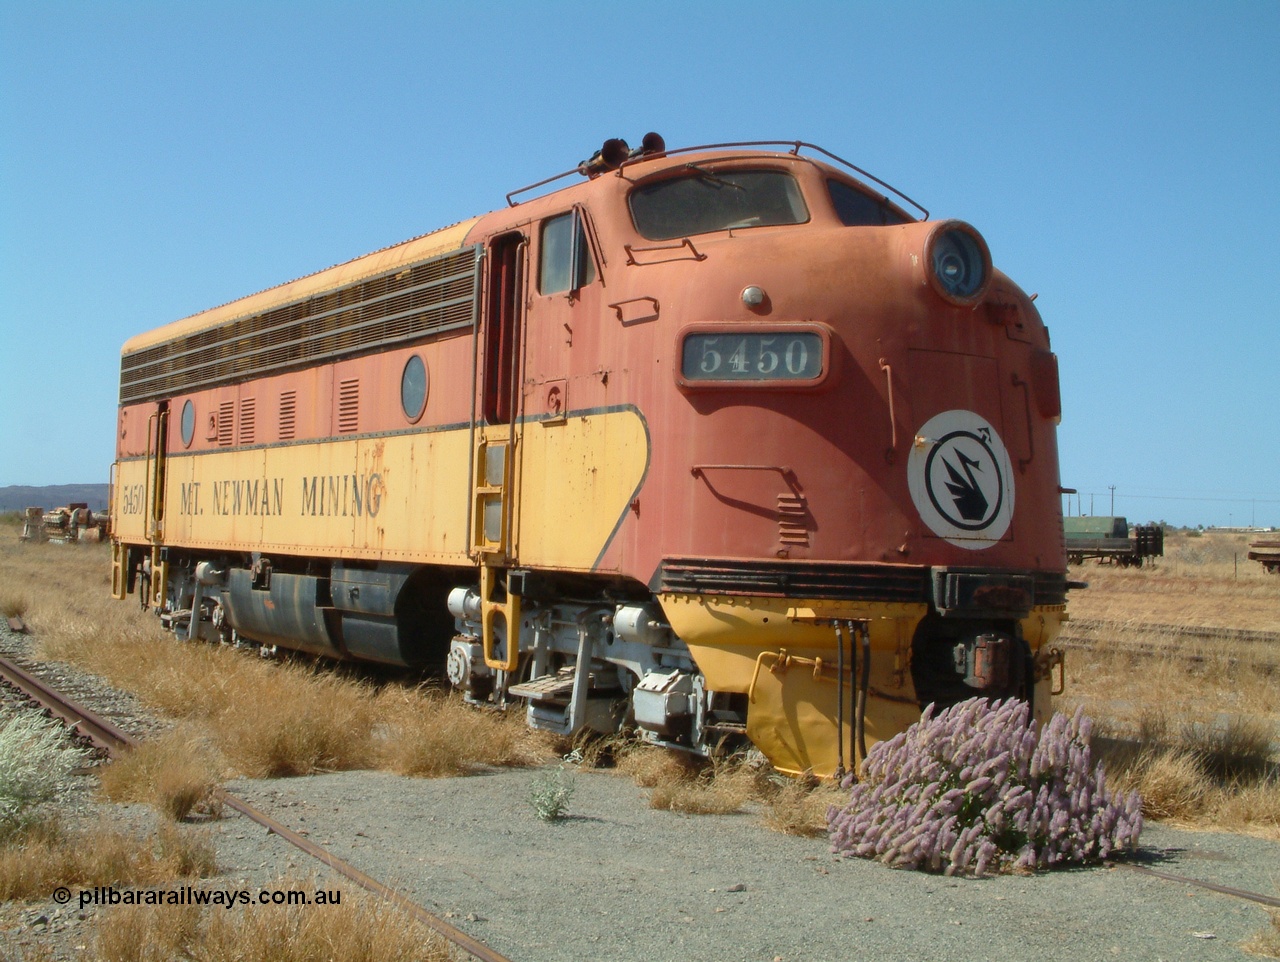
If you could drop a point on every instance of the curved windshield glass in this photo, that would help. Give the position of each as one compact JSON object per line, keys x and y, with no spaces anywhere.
{"x":856,"y":208}
{"x":707,"y":200}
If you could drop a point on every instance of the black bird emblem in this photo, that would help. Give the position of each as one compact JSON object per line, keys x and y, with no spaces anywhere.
{"x":968,"y":496}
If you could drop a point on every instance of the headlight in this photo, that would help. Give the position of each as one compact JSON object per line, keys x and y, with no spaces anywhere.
{"x":959,"y":262}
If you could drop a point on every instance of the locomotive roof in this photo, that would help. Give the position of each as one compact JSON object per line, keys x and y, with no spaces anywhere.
{"x":388,"y":258}
{"x":453,"y":237}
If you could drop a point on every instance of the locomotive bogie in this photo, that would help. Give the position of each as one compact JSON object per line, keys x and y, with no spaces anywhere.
{"x":723,"y":447}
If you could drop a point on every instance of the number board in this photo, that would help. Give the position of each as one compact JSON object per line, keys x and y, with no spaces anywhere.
{"x":757,"y":355}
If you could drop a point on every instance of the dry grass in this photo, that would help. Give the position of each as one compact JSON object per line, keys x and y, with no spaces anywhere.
{"x":426,"y":732}
{"x":1211,"y":763}
{"x":1194,"y":725}
{"x":263,"y":718}
{"x":44,"y":856}
{"x":13,"y":604}
{"x":1266,"y":942}
{"x":270,"y":719}
{"x":682,"y":783}
{"x":1204,"y":580}
{"x":177,"y":774}
{"x":281,"y":719}
{"x":798,"y":807}
{"x":360,"y":930}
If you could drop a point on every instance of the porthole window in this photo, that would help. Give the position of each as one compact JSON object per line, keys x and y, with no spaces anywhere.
{"x":413,"y":388}
{"x":188,"y":423}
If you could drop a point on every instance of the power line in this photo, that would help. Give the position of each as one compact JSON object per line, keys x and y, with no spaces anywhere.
{"x":1176,"y":497}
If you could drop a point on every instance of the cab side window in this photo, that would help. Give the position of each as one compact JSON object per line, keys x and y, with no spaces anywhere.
{"x":565,"y":261}
{"x":857,"y":209}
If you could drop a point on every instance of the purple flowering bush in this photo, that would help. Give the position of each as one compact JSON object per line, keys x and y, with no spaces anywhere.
{"x":976,"y":788}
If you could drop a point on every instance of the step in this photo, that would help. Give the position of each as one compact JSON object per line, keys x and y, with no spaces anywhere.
{"x":557,"y":687}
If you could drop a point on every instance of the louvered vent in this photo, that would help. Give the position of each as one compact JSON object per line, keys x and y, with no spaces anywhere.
{"x":793,"y":519}
{"x":248,"y":415}
{"x":288,"y":415}
{"x":429,"y":297}
{"x":226,"y":422}
{"x":349,"y":406}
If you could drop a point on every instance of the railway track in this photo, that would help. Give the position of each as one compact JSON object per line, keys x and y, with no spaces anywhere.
{"x":1081,"y":626}
{"x":110,"y":739}
{"x":1190,"y":643}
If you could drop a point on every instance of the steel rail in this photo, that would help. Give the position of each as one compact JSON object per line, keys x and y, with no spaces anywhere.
{"x":459,"y":938}
{"x":1211,"y":886}
{"x":107,"y":736}
{"x":1142,"y":650}
{"x":89,"y":724}
{"x":1197,"y":632}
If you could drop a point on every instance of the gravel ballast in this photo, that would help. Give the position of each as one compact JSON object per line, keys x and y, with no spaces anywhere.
{"x":616,"y":880}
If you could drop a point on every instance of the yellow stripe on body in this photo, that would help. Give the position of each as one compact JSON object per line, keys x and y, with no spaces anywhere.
{"x":401,"y":497}
{"x":378,"y":498}
{"x":577,"y":479}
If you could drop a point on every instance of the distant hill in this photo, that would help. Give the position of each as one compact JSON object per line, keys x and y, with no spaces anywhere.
{"x":17,"y":497}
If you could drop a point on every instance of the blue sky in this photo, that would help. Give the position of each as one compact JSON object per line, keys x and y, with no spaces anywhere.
{"x":1122,"y":160}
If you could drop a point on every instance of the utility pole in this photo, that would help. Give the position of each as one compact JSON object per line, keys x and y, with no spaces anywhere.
{"x":1113,"y":499}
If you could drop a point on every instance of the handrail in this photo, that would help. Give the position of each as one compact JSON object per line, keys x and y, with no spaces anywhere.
{"x":795,"y":145}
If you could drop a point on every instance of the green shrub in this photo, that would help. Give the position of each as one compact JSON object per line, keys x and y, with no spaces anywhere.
{"x":550,"y":794}
{"x":34,"y":756}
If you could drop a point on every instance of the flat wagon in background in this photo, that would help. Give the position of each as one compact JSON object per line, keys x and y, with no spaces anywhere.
{"x":1112,"y":540}
{"x":1267,"y":554}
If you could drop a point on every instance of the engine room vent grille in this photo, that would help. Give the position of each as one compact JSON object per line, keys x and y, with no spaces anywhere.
{"x":288,"y":415}
{"x":429,"y":297}
{"x":226,"y":422}
{"x":248,"y":416}
{"x":349,"y":406}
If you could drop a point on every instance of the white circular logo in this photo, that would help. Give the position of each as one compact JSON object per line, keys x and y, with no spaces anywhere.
{"x":961,"y":480}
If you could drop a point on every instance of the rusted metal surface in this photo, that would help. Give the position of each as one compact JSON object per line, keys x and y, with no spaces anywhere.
{"x":89,"y":724}
{"x":1188,"y":643}
{"x":1267,"y":554}
{"x":1109,"y":540}
{"x":67,"y":524}
{"x":113,"y":740}
{"x":1199,"y":883}
{"x":459,"y":938}
{"x":805,"y":320}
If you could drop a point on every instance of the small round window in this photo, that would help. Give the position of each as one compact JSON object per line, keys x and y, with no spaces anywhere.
{"x":188,"y":423}
{"x":413,"y":388}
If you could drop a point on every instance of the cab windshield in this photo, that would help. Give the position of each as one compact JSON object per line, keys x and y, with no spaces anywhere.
{"x":706,"y":200}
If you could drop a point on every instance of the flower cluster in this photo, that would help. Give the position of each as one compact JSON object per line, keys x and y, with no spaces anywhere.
{"x":975,"y":788}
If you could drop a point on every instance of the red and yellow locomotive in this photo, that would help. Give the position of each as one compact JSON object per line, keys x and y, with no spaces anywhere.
{"x":720,"y":443}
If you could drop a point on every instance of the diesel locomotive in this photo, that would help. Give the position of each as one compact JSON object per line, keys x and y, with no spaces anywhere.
{"x":724,"y":444}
